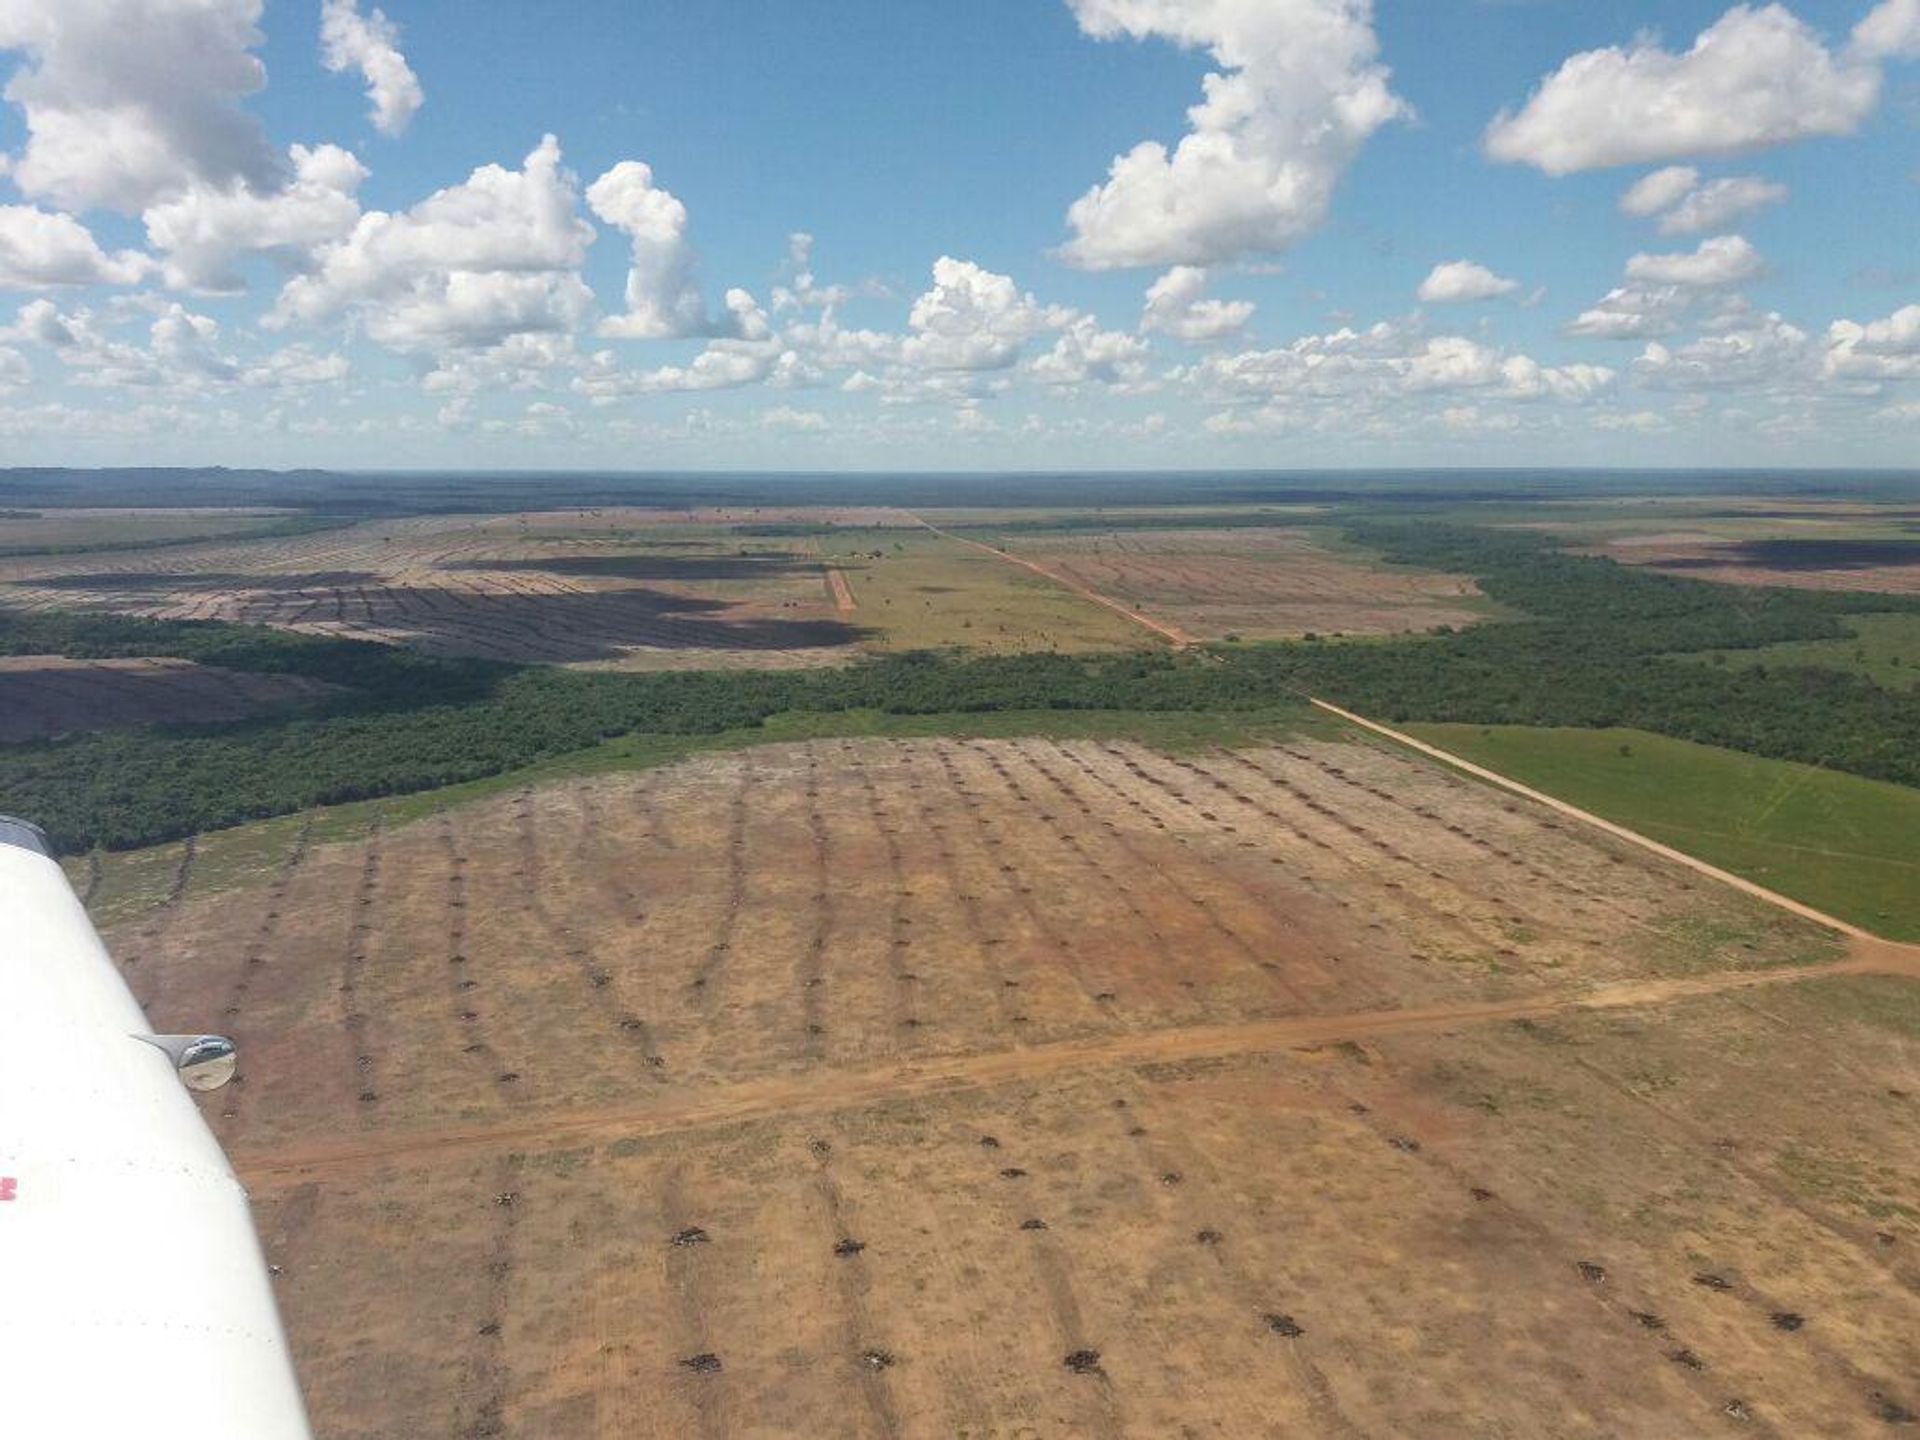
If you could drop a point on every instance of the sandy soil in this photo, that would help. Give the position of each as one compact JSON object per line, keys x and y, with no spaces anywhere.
{"x":1319,"y":1090}
{"x":43,"y":695}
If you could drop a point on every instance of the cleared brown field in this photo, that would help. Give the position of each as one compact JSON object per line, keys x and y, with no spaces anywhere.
{"x":42,"y":695}
{"x":1257,"y":582}
{"x":31,"y":529}
{"x":851,"y":1088}
{"x":626,"y":588}
{"x":1803,"y":562}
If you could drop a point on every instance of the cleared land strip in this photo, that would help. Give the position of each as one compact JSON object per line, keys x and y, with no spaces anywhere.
{"x":829,"y":1090}
{"x":1621,"y":832}
{"x":1172,"y":634}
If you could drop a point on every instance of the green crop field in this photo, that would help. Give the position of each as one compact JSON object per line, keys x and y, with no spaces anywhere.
{"x":1847,"y":845}
{"x":1884,"y":648}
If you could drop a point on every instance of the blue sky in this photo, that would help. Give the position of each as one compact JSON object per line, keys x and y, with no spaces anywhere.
{"x":176,"y":288}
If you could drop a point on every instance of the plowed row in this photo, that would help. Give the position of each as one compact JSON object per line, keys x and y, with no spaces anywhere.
{"x":1253,"y":582}
{"x":466,"y":585}
{"x":946,"y":1060}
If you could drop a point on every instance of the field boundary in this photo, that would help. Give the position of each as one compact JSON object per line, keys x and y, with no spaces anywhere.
{"x":1613,"y":828}
{"x":1172,"y":634}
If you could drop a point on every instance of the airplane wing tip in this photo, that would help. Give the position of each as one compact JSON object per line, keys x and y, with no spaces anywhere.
{"x":25,"y":835}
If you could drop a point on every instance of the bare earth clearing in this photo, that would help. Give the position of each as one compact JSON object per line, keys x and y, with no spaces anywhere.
{"x":572,"y":587}
{"x":850,"y":1088}
{"x":1260,"y":583}
{"x":42,"y":695}
{"x":1807,"y":563}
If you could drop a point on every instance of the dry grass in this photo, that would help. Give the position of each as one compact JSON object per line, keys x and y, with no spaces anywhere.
{"x":1288,"y":1033}
{"x":1259,"y":583}
{"x":635,"y":589}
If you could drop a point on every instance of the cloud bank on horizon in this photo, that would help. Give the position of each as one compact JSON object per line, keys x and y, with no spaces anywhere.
{"x":178,"y":284}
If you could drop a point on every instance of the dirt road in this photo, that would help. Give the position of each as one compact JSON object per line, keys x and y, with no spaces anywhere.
{"x":830,"y":1090}
{"x":1619,"y":832}
{"x":1172,"y":634}
{"x":1181,"y":639}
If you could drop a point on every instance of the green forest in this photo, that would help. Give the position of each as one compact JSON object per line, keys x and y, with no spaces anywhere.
{"x":1587,"y":652}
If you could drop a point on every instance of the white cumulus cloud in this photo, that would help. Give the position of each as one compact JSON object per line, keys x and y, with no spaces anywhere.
{"x":39,"y":249}
{"x":472,"y":265}
{"x":1722,"y":260}
{"x":1177,"y":306}
{"x":1660,"y":190}
{"x":1890,"y":30}
{"x":1719,"y":203}
{"x":974,"y":319}
{"x":663,"y":287}
{"x":370,"y":43}
{"x":127,"y":102}
{"x":1459,"y":280}
{"x":1886,"y":349}
{"x":1299,"y":90}
{"x":204,"y":230}
{"x":1757,"y":76}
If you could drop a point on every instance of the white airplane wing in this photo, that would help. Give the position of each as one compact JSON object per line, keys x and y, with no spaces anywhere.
{"x":133,"y":1296}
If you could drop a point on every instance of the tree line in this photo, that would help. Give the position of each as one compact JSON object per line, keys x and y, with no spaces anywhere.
{"x":1584,"y":648}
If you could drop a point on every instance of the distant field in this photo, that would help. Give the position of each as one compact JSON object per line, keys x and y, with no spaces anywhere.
{"x":638,"y":589}
{"x":1260,"y":582}
{"x":915,"y":590}
{"x":23,"y":531}
{"x":624,"y":588}
{"x":1846,"y":845}
{"x":1884,"y":648}
{"x":1803,"y":561}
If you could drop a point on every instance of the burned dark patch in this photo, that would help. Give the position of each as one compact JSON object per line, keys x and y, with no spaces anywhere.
{"x":1886,"y":1408}
{"x":1083,"y":1362}
{"x":1803,"y":554}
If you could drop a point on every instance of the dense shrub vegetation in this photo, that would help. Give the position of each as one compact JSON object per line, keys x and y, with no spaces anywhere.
{"x":1590,"y":654}
{"x":1586,"y":653}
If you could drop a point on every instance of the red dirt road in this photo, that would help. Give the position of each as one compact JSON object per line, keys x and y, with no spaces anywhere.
{"x":823,"y":1092}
